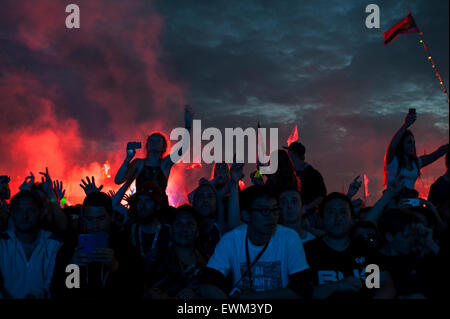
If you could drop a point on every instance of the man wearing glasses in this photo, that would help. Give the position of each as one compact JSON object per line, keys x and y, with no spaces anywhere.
{"x":263,"y":259}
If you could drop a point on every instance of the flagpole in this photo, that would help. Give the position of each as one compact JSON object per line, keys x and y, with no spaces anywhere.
{"x":430,"y":58}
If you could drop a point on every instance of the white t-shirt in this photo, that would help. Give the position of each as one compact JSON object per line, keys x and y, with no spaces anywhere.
{"x":284,"y":256}
{"x":308,"y":237}
{"x":22,"y":276}
{"x":410,"y":176}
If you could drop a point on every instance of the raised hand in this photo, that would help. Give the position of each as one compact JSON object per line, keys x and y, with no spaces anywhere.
{"x":202,"y":181}
{"x":79,"y":258}
{"x":188,"y":116}
{"x":27,"y":183}
{"x":59,"y":189}
{"x":47,"y":184}
{"x":89,"y":186}
{"x":357,"y":203}
{"x":236,"y":172}
{"x":410,"y":119}
{"x":111,"y":193}
{"x":126,"y":197}
{"x":354,"y":187}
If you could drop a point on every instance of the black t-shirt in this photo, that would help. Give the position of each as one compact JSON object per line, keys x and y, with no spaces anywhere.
{"x":414,"y":275}
{"x":172,"y":276}
{"x":328,"y":265}
{"x":148,"y":252}
{"x":311,"y":184}
{"x":207,"y":242}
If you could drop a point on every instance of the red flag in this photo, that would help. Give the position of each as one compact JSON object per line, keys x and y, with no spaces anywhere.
{"x":294,"y":136}
{"x":366,"y":186}
{"x":407,"y":25}
{"x":241,"y":184}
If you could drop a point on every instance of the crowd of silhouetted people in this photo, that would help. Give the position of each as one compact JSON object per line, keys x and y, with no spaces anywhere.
{"x":283,"y":237}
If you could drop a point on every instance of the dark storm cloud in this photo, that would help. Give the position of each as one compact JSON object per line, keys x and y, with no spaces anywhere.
{"x":316,"y":64}
{"x":287,"y":62}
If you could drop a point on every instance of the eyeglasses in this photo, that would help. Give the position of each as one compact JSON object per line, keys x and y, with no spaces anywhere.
{"x":267,"y":211}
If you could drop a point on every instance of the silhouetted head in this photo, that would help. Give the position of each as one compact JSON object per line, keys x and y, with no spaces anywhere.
{"x":397,"y":228}
{"x":185,"y":226}
{"x":146,"y":204}
{"x":405,"y":151}
{"x":221,"y":173}
{"x":406,"y":146}
{"x":297,"y":153}
{"x":336,"y":210}
{"x":26,"y":208}
{"x":205,"y":200}
{"x":291,"y":206}
{"x":5,"y":192}
{"x":96,"y":213}
{"x":260,"y":209}
{"x":156,"y":143}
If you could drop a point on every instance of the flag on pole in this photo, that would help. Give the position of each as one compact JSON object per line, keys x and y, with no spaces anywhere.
{"x":241,"y":185}
{"x":293,"y":137}
{"x":260,"y":148}
{"x":366,"y":187}
{"x":406,"y":25}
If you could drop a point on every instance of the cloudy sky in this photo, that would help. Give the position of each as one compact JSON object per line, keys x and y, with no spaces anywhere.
{"x":71,"y":99}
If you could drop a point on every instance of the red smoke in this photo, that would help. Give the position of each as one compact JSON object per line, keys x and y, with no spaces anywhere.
{"x":111,"y":63}
{"x":70,"y":100}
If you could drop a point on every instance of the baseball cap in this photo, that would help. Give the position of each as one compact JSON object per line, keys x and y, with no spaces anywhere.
{"x":149,"y":189}
{"x":296,"y":147}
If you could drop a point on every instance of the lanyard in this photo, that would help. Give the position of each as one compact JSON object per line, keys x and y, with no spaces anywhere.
{"x":250,"y":265}
{"x":155,"y":239}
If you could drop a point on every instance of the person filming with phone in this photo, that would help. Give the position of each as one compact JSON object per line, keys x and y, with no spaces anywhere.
{"x":156,"y":166}
{"x":101,"y":253}
{"x":401,"y":158}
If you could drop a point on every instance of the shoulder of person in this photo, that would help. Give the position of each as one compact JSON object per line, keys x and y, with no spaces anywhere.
{"x":393,"y":162}
{"x":313,"y":245}
{"x":236,"y":232}
{"x":312,"y":171}
{"x":286,"y":232}
{"x":308,"y":237}
{"x":55,"y":237}
{"x":49,"y":236}
{"x":138,"y":162}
